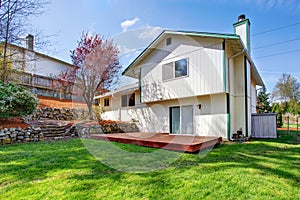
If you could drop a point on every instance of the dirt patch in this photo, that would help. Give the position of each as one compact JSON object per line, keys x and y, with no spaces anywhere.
{"x":285,"y":129}
{"x":12,"y":122}
{"x":59,"y":103}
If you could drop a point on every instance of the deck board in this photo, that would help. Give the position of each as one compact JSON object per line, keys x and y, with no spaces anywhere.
{"x":184,"y":143}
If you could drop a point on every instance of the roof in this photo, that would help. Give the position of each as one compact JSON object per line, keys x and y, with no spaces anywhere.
{"x":234,"y":40}
{"x":40,"y":54}
{"x":122,"y":90}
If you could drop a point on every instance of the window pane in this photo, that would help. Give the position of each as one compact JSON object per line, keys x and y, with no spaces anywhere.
{"x":181,"y":68}
{"x":131,"y":100}
{"x":124,"y":100}
{"x":106,"y":102}
{"x":167,"y":71}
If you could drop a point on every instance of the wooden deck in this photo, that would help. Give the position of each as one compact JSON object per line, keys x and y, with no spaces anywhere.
{"x":184,"y":143}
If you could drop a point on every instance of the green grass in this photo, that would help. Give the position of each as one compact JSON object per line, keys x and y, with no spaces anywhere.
{"x":291,"y":126}
{"x":260,"y":169}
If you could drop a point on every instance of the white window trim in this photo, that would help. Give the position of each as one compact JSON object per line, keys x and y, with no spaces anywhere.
{"x":108,"y":102}
{"x":128,"y":95}
{"x":174,"y":71}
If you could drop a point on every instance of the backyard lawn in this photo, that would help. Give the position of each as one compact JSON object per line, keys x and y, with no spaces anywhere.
{"x":260,"y":169}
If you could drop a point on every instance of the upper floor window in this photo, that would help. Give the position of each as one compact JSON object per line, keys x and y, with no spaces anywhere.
{"x":128,"y":100}
{"x":106,"y":102}
{"x":175,"y":69}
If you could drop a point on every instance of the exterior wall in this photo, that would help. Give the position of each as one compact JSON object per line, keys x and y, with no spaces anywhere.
{"x":237,"y":94}
{"x":243,"y":30}
{"x":115,"y":112}
{"x":253,"y":97}
{"x":210,"y":120}
{"x":35,"y":63}
{"x":242,"y":95}
{"x":205,"y":69}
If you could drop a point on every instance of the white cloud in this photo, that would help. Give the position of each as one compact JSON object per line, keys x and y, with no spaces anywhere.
{"x":127,"y":23}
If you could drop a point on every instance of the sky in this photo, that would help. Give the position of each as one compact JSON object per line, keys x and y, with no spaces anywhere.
{"x":133,"y":24}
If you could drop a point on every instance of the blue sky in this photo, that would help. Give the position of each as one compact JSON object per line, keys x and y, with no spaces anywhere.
{"x":134,"y":23}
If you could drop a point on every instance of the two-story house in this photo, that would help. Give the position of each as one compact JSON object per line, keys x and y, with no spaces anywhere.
{"x":35,"y":70}
{"x":188,"y":82}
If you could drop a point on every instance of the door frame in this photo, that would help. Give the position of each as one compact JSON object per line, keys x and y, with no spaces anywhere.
{"x":180,"y":117}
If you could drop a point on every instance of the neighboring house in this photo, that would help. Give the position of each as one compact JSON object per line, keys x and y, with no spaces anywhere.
{"x":35,"y":70}
{"x":190,"y":83}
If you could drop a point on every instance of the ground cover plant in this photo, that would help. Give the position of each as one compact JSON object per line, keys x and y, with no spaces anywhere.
{"x":260,"y":169}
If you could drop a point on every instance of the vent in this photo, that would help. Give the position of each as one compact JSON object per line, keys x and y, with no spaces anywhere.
{"x":168,"y":41}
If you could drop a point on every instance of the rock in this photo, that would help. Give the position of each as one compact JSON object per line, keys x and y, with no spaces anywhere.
{"x":20,"y":137}
{"x":6,"y":141}
{"x":12,"y":129}
{"x":13,"y":135}
{"x":20,"y":134}
{"x":58,"y":138}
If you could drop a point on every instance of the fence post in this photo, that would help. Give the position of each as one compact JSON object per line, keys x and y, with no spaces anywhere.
{"x":297,"y":124}
{"x":288,"y":124}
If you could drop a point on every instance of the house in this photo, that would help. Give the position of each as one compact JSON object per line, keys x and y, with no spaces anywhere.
{"x":194,"y":83}
{"x":35,"y":70}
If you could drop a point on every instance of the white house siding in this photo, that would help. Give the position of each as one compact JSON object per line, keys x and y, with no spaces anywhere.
{"x":253,"y":96}
{"x":237,"y":88}
{"x":114,"y":111}
{"x":205,"y":69}
{"x":210,"y":120}
{"x":38,"y":64}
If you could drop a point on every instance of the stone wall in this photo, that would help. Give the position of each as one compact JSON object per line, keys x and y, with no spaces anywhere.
{"x":58,"y":114}
{"x":51,"y":123}
{"x":13,"y":135}
{"x":83,"y":130}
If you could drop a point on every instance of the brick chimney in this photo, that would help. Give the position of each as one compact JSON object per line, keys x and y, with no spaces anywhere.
{"x":29,"y":42}
{"x":242,"y":28}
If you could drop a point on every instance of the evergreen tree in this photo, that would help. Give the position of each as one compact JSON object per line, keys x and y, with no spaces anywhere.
{"x":263,"y":102}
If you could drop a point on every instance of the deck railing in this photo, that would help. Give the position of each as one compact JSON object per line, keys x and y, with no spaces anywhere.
{"x":41,"y":85}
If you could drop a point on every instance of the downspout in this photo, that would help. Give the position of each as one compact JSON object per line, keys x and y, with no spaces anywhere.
{"x":228,"y":97}
{"x":246,"y":95}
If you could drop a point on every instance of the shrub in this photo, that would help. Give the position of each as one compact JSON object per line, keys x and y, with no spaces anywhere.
{"x":16,"y":101}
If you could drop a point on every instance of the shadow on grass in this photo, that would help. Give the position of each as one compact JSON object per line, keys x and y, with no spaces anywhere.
{"x":36,"y":161}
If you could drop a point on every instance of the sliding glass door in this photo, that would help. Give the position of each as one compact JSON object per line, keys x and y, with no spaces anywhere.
{"x":181,"y":120}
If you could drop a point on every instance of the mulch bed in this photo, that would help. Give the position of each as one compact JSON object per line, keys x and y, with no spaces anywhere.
{"x":12,"y":122}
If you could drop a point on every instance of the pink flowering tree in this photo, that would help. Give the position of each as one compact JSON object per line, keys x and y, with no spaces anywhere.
{"x":96,"y":68}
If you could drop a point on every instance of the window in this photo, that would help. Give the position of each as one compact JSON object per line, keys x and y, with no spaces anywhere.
{"x":106,"y":102}
{"x":168,"y":41}
{"x":128,"y":100}
{"x":167,"y":71}
{"x":175,"y":69}
{"x":181,"y":68}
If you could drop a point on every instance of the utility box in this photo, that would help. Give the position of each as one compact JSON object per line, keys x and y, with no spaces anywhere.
{"x":264,"y":125}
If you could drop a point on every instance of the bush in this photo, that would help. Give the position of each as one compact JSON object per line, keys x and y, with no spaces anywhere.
{"x":16,"y":101}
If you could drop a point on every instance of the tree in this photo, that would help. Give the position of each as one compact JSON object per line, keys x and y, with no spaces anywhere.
{"x":287,"y":88}
{"x":96,"y":68}
{"x":263,"y":102}
{"x":277,"y":108}
{"x":16,"y":101}
{"x":14,"y":22}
